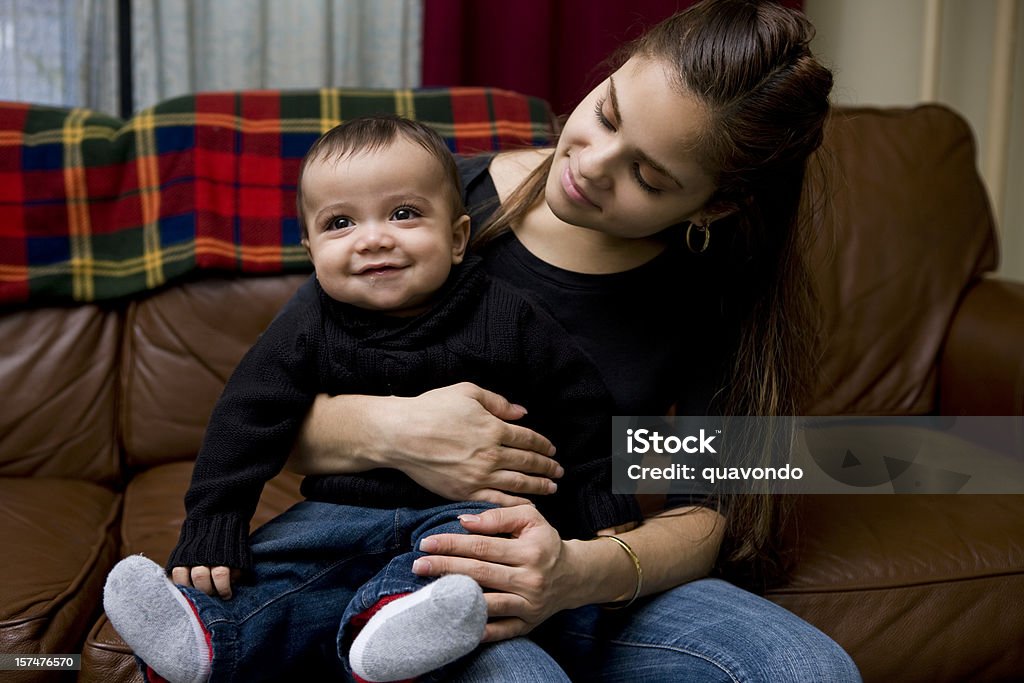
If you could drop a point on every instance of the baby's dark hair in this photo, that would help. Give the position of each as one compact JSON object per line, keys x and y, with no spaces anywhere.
{"x":371,"y":133}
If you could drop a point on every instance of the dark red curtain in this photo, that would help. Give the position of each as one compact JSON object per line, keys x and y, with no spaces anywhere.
{"x":549,"y":48}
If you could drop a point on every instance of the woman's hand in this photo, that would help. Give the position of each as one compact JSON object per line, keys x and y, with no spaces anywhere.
{"x":532,"y":572}
{"x":468,"y":452}
{"x":455,"y":441}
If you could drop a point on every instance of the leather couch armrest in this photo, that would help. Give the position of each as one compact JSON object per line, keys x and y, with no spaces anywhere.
{"x":981,"y":370}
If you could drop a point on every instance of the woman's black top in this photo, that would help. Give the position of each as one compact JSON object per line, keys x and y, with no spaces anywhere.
{"x":655,"y":332}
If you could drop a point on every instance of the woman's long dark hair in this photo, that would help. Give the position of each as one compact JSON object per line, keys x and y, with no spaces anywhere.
{"x":767,"y":101}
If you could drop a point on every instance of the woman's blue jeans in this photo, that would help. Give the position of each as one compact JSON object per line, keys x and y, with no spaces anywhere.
{"x":319,"y":564}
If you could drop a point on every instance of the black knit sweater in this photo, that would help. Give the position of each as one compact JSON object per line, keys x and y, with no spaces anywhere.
{"x":478,"y":330}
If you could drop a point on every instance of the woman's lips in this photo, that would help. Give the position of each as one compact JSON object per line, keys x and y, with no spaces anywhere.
{"x":573,"y":191}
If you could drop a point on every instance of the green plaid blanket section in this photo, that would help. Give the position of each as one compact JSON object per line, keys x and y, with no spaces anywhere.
{"x":95,"y":208}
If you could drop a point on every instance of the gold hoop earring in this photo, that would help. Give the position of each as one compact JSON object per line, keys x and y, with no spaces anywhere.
{"x":704,"y":228}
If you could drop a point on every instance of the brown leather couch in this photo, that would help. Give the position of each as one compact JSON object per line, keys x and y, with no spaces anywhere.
{"x":105,"y":405}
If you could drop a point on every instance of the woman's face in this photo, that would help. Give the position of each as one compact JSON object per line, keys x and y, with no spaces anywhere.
{"x":625,"y":164}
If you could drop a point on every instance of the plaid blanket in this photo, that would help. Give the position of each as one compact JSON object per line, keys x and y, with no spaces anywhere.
{"x":95,"y":208}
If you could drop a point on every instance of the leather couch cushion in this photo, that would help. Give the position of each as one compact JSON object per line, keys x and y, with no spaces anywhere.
{"x":58,"y":371}
{"x":183,"y":344}
{"x":154,"y":507}
{"x":60,"y":540}
{"x":153,"y":513}
{"x":904,"y":226}
{"x":884,"y":574}
{"x":982,"y":371}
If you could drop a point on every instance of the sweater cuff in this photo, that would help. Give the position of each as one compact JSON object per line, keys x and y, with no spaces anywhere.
{"x":597,"y":507}
{"x":213,"y":542}
{"x":603,"y":510}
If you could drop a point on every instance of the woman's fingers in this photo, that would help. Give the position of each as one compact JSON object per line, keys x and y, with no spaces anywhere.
{"x":512,"y":481}
{"x":514,"y":436}
{"x":488,"y":575}
{"x":503,"y":605}
{"x":495,"y":404}
{"x":525,"y":439}
{"x":494,"y":562}
{"x":526,"y":461}
{"x":484,"y":548}
{"x":513,"y":471}
{"x":496,"y":497}
{"x":509,"y":616}
{"x":512,"y":520}
{"x":503,"y":629}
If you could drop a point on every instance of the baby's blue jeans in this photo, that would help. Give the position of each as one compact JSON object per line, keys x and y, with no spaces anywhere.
{"x":319,"y":564}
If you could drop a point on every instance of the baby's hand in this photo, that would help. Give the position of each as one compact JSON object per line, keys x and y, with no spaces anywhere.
{"x":210,"y":580}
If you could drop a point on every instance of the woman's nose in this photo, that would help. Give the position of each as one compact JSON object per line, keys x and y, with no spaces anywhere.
{"x":595,"y":165}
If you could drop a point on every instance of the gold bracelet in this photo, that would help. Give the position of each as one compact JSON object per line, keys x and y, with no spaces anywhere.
{"x":636,"y":565}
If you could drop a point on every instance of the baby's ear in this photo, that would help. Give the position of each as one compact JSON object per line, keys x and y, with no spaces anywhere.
{"x":460,"y":238}
{"x":305,"y":243}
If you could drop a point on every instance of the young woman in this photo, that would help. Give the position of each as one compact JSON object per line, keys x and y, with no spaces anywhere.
{"x":671,"y":197}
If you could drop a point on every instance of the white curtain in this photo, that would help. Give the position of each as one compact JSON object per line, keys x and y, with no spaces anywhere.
{"x":186,"y":46}
{"x":60,"y":52}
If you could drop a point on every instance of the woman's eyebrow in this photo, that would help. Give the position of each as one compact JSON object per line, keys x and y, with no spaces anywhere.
{"x":660,"y":168}
{"x":614,"y":99}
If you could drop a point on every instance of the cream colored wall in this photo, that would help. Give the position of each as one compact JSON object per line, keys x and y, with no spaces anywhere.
{"x":876,"y":49}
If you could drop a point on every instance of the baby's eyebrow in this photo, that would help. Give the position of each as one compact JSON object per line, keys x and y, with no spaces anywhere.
{"x":409,"y":198}
{"x":332,"y":208}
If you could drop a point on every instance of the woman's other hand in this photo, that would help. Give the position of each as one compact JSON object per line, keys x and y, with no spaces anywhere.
{"x":531,"y":571}
{"x":534,"y":574}
{"x":455,"y":441}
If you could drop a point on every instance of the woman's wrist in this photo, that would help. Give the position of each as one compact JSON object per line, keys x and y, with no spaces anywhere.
{"x":601,"y":572}
{"x":373,"y":428}
{"x":343,"y":435}
{"x":637,"y":567}
{"x":671,"y":548}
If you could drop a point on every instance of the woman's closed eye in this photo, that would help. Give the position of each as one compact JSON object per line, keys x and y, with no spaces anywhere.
{"x":607,"y":123}
{"x":644,"y":185}
{"x":601,"y":118}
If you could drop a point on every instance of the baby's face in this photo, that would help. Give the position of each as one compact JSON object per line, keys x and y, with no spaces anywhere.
{"x":380,"y":231}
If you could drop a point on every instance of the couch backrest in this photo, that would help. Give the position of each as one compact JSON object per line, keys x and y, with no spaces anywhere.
{"x":58,"y":389}
{"x":181,"y":345}
{"x":906,"y":229}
